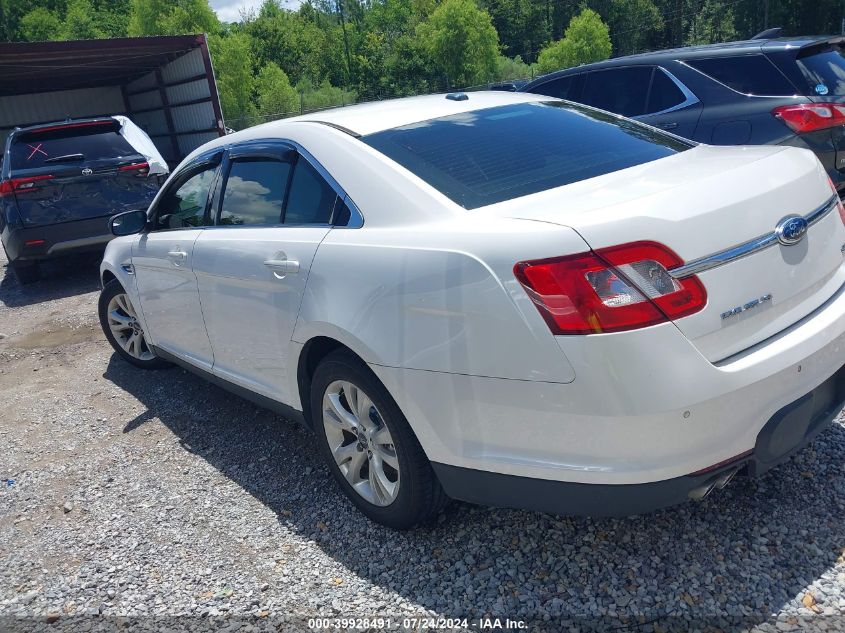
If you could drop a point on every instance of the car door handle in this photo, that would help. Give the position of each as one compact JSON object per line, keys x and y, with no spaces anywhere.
{"x":668,"y":126}
{"x":283,"y":266}
{"x":178,"y":254}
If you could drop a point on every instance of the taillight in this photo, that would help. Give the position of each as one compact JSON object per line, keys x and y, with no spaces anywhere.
{"x":141,"y":168}
{"x":610,"y":290}
{"x":21,"y":185}
{"x":809,"y":117}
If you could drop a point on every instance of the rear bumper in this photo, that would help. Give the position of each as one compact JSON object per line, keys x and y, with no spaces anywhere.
{"x":58,"y":239}
{"x":786,"y":432}
{"x":645,"y":406}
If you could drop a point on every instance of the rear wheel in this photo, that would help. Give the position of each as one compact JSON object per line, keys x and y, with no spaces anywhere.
{"x":120,"y":324}
{"x":369,"y":446}
{"x":27,"y":273}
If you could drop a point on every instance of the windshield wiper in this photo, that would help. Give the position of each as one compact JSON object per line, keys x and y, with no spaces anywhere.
{"x":65,"y":158}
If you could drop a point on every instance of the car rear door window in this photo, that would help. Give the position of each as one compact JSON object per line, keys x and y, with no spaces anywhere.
{"x":486,"y":156}
{"x":568,"y":87}
{"x":748,"y":74}
{"x":824,"y":72}
{"x":70,"y":143}
{"x":619,"y":90}
{"x":184,"y":204}
{"x":311,"y":198}
{"x":664,"y":93}
{"x":254,"y":192}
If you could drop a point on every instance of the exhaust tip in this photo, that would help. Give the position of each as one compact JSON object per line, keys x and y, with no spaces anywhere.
{"x":700,"y":493}
{"x":724,"y":479}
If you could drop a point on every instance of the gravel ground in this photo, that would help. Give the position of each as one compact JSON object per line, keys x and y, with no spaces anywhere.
{"x":148,"y":495}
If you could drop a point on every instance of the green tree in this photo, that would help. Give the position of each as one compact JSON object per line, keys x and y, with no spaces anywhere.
{"x":40,"y":25}
{"x":80,"y":23}
{"x":587,"y":39}
{"x":274,"y":93}
{"x":461,"y":42}
{"x":712,"y":24}
{"x":235,"y":81}
{"x":172,"y":17}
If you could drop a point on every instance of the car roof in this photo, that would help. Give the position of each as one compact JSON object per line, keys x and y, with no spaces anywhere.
{"x":690,"y":52}
{"x":66,"y":122}
{"x":377,"y":116}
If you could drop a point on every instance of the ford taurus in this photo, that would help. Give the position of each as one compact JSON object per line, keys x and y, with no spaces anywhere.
{"x":501,"y":298}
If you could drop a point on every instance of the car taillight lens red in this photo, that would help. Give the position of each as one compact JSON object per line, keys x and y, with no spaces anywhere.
{"x":21,"y":185}
{"x":809,"y":117}
{"x":610,"y":290}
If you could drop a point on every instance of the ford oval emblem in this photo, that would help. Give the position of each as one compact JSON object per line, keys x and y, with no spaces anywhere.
{"x":791,"y":230}
{"x":87,"y":171}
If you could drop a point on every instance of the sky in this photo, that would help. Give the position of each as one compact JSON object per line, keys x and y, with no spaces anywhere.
{"x":230,"y":10}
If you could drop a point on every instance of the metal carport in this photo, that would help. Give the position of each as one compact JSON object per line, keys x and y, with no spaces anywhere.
{"x":165,"y":84}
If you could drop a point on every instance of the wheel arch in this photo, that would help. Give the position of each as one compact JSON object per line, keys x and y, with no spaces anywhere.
{"x":313,"y":352}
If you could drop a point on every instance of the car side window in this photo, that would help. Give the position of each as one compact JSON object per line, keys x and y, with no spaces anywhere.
{"x":748,"y":74}
{"x":664,"y":93}
{"x":254,"y":192}
{"x":311,"y":198}
{"x":567,"y":87}
{"x":183,"y":205}
{"x":618,"y":90}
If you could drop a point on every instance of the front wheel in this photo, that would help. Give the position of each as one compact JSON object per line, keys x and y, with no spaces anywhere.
{"x":369,"y":446}
{"x":120,"y":324}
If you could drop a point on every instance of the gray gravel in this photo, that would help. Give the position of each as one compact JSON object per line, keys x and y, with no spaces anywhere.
{"x":135,"y":494}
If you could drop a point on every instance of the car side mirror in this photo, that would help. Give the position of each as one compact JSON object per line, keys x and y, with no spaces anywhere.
{"x":128,"y":223}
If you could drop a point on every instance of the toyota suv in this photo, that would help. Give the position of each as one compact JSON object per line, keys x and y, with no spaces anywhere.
{"x":61,"y":182}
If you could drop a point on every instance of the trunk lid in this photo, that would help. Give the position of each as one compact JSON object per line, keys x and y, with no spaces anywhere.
{"x":76,"y":172}
{"x":705,"y":201}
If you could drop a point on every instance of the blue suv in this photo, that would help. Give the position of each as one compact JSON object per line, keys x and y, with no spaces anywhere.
{"x":779,"y":91}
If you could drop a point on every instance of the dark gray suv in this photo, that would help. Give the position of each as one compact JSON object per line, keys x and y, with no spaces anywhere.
{"x":787,"y":91}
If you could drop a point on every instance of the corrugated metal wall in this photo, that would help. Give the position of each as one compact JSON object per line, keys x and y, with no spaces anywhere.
{"x":183,"y":83}
{"x":44,"y":107}
{"x":191,"y":109}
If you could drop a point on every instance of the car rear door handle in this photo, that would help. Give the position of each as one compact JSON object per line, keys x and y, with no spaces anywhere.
{"x":668,"y":126}
{"x":282,"y":267}
{"x":180,"y":255}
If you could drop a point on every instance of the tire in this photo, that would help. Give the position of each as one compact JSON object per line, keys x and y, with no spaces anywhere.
{"x":27,"y":273}
{"x":118,"y":320}
{"x":418,"y":496}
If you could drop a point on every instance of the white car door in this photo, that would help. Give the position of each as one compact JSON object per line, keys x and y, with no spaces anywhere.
{"x":273,"y":210}
{"x":162,"y":260}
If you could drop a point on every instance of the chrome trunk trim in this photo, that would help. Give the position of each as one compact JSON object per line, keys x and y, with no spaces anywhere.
{"x":750,"y":247}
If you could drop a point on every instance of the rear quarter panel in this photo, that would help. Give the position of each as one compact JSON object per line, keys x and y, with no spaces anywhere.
{"x":438,"y":297}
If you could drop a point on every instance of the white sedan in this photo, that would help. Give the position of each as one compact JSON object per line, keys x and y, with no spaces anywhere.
{"x":499,"y":298}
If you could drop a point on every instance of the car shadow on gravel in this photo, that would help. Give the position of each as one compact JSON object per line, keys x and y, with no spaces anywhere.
{"x":65,"y":277}
{"x":745,"y":552}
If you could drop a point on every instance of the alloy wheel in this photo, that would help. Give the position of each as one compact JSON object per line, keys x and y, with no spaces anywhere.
{"x":127,"y":331}
{"x":360,"y":443}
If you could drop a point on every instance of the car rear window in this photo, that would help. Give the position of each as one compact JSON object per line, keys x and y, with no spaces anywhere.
{"x":748,"y":74}
{"x":71,"y":143}
{"x":487,"y":156}
{"x":824,"y":72}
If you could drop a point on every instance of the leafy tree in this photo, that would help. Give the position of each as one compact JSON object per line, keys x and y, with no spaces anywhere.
{"x":635,"y":25}
{"x":275,"y":95}
{"x":235,"y":81}
{"x":511,"y":68}
{"x":293,"y":42}
{"x":172,"y":17}
{"x":40,"y":25}
{"x":713,"y":23}
{"x":587,"y":39}
{"x":323,"y":96}
{"x":461,"y":42}
{"x":80,"y":22}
